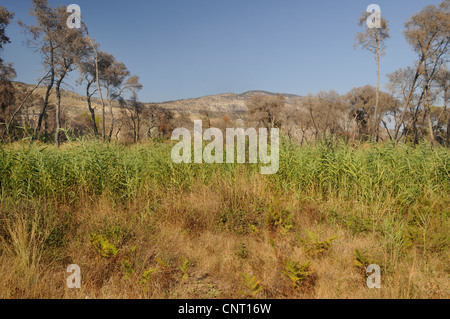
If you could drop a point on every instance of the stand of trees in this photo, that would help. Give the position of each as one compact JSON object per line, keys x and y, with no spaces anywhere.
{"x":63,"y":51}
{"x":406,"y":112}
{"x":420,"y":86}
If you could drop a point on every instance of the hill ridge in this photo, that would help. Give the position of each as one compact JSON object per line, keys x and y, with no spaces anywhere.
{"x":217,"y":104}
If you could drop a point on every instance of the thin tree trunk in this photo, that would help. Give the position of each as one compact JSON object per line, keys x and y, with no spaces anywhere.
{"x":44,"y":107}
{"x":448,"y":131}
{"x":438,"y":121}
{"x":377,"y":97}
{"x":91,"y":110}
{"x":448,"y":119}
{"x":48,"y":91}
{"x":58,"y":114}
{"x":429,"y":78}
{"x":415,"y":119}
{"x":387,"y":129}
{"x":97,"y":77}
{"x":58,"y":108}
{"x":138,"y":127}
{"x":8,"y":125}
{"x":444,"y":110}
{"x":118,"y":131}
{"x":408,"y":100}
{"x":430,"y":123}
{"x":112,"y":116}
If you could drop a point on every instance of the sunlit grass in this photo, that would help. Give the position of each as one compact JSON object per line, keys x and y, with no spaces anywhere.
{"x":390,"y":204}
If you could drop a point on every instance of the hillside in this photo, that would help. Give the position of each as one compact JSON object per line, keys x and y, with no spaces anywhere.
{"x":220,"y":104}
{"x":230,"y":104}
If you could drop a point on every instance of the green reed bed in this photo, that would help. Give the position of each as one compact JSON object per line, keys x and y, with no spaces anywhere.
{"x":370,"y":174}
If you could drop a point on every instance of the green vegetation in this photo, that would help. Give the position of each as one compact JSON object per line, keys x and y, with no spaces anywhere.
{"x":131,"y":218}
{"x":297,"y":273}
{"x":401,"y":175}
{"x":251,"y":284}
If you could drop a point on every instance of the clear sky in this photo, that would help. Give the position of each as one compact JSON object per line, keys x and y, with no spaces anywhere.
{"x":191,"y":48}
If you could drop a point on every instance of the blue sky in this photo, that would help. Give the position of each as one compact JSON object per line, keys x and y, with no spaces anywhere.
{"x":191,"y":48}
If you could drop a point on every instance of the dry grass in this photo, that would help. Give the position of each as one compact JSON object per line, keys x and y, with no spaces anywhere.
{"x":193,"y":234}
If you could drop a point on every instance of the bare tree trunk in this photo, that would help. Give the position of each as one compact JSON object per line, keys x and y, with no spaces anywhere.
{"x":430,"y":123}
{"x":138,"y":128}
{"x":377,"y":97}
{"x":429,"y":78}
{"x":58,"y":107}
{"x":91,"y":110}
{"x":408,"y":100}
{"x":103,"y":103}
{"x":112,"y":116}
{"x":138,"y":123}
{"x":97,"y":77}
{"x":415,"y":119}
{"x":438,"y":121}
{"x":387,"y":129}
{"x":58,"y":114}
{"x":438,"y":124}
{"x":8,"y":125}
{"x":314,"y":124}
{"x":112,"y":124}
{"x":44,"y":107}
{"x":118,"y":130}
{"x":135,"y":133}
{"x":47,"y":93}
{"x":448,"y":131}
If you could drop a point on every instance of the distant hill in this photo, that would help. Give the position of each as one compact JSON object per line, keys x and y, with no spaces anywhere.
{"x":230,"y":104}
{"x":219,"y":104}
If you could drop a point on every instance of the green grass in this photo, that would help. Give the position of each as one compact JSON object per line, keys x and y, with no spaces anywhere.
{"x":392,"y":202}
{"x":404,"y":174}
